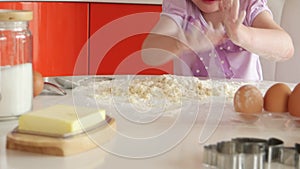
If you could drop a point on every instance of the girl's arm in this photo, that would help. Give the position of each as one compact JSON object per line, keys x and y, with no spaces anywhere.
{"x":167,"y":40}
{"x":162,"y":44}
{"x":265,"y":38}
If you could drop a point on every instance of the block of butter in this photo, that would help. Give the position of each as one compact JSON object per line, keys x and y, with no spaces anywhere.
{"x":61,"y":119}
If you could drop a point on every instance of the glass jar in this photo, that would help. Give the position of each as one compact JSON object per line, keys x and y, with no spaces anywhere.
{"x":16,"y":80}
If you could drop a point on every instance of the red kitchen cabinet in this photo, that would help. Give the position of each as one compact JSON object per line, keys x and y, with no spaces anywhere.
{"x":90,"y":38}
{"x":60,"y":30}
{"x":117,"y":32}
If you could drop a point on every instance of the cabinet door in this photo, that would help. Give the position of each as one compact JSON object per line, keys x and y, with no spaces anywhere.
{"x":59,"y":30}
{"x":117,"y":33}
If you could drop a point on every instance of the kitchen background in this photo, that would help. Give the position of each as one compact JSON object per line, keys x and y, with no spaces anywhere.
{"x":62,"y":29}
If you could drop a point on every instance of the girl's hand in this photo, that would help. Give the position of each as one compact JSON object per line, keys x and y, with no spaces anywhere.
{"x":198,"y":40}
{"x":232,"y":19}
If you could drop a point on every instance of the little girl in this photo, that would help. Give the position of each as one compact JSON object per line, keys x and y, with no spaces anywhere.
{"x":213,"y":37}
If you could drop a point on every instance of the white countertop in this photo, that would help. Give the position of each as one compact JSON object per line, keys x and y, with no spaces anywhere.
{"x":174,"y":140}
{"x":154,"y":2}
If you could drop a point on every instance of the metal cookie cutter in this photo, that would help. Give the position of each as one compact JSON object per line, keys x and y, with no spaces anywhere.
{"x":240,"y":153}
{"x":285,"y":157}
{"x":210,"y":155}
{"x":297,"y":147}
{"x":270,"y":146}
{"x":251,"y":155}
{"x":227,"y":156}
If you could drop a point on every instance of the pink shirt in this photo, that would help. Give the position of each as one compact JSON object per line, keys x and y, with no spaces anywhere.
{"x":227,"y":60}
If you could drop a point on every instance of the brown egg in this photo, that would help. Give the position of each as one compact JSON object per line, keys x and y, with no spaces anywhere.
{"x":38,"y":83}
{"x":294,"y":102}
{"x":248,"y":99}
{"x":276,"y":98}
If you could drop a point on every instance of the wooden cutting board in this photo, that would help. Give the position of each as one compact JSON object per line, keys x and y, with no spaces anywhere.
{"x":61,"y":146}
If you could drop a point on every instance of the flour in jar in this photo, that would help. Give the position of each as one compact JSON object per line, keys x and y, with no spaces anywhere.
{"x":16,"y":89}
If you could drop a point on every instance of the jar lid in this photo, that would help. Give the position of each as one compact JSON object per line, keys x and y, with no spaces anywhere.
{"x":15,"y":15}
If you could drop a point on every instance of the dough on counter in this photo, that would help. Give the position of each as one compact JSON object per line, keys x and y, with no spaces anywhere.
{"x":172,"y":88}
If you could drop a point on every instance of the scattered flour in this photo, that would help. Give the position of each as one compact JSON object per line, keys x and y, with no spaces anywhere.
{"x":151,"y":90}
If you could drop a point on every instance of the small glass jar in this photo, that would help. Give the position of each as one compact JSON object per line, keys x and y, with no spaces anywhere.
{"x":16,"y":80}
